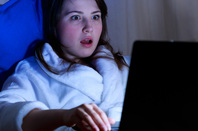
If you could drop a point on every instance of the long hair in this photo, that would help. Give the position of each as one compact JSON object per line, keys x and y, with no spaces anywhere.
{"x":51,"y":15}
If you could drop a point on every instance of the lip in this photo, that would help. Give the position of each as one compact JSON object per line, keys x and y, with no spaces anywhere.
{"x":87,"y":42}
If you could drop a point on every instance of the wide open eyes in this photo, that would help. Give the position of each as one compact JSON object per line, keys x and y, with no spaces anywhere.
{"x":76,"y":17}
{"x":96,"y":17}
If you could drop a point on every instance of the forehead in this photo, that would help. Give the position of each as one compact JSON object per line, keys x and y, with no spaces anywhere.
{"x":81,"y":5}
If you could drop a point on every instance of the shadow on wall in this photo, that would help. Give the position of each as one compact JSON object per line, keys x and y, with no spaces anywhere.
{"x":131,"y":20}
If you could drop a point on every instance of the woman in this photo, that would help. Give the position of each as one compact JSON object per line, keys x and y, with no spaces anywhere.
{"x":75,"y":79}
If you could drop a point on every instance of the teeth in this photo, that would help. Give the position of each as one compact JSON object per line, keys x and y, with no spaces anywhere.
{"x":87,"y":41}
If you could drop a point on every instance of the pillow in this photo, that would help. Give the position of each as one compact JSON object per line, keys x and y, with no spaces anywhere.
{"x":20,"y":28}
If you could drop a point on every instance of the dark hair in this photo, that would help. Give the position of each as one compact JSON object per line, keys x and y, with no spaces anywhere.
{"x":51,"y":15}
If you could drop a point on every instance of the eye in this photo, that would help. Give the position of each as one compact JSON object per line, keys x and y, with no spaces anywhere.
{"x":75,"y":17}
{"x":95,"y":17}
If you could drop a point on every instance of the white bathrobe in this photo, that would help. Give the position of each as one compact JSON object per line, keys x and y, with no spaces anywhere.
{"x":33,"y":86}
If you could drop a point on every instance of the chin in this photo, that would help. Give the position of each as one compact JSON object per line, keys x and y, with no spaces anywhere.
{"x":86,"y":55}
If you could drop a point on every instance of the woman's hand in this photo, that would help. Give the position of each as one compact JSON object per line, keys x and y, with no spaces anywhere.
{"x":88,"y":117}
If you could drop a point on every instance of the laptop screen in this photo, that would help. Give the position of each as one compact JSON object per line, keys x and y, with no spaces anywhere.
{"x":162,"y":87}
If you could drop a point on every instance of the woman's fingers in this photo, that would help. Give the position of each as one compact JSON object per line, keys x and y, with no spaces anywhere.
{"x":86,"y":119}
{"x":102,"y":115}
{"x":83,"y":126}
{"x":111,"y":121}
{"x":90,"y":116}
{"x":95,"y":117}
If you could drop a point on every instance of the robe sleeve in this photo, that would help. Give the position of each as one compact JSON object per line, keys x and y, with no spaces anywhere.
{"x":17,"y":99}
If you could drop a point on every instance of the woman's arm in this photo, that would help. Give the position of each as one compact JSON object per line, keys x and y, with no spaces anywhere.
{"x":85,"y":117}
{"x":40,"y":120}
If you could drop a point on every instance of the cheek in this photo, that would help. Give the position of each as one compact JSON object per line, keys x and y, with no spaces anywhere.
{"x":68,"y":34}
{"x":98,"y":30}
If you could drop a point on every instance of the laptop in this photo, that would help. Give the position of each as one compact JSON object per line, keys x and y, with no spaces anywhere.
{"x":161,"y":93}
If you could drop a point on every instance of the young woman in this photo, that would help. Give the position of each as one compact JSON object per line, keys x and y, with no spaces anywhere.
{"x":75,"y":78}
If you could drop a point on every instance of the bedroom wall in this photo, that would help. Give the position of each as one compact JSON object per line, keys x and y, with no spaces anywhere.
{"x":131,"y":20}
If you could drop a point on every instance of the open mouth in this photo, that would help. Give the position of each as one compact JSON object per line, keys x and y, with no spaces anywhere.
{"x":87,"y":42}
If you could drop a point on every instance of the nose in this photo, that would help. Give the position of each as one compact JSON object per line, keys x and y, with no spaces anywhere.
{"x":88,"y":27}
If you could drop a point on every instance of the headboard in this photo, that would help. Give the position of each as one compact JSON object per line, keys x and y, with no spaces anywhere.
{"x":20,"y":28}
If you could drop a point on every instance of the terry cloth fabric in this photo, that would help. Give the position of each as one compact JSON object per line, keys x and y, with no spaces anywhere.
{"x":32,"y":86}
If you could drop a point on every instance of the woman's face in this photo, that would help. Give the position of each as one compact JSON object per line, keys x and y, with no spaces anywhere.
{"x":79,"y":28}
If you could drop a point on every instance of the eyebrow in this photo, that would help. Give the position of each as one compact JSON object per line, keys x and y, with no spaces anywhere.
{"x":80,"y":12}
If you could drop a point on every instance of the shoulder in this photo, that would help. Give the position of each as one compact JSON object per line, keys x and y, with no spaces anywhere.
{"x":22,"y":73}
{"x":26,"y":73}
{"x":26,"y":65}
